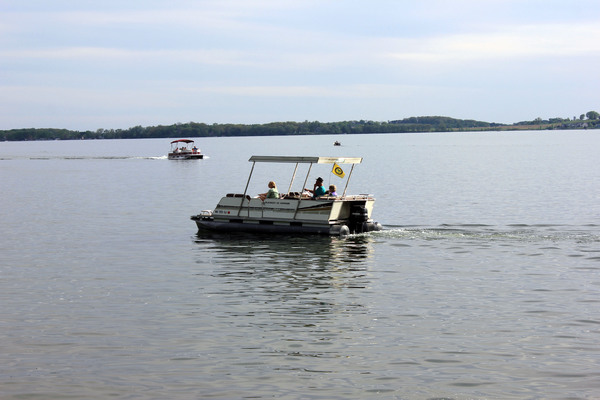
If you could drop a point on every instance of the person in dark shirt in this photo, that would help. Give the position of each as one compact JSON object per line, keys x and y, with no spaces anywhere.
{"x":318,"y":189}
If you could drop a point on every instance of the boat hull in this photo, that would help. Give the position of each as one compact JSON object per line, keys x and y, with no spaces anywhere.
{"x":280,"y":227}
{"x":290,"y":216}
{"x":190,"y":156}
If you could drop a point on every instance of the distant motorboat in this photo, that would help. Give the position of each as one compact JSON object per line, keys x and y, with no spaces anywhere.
{"x":336,"y":143}
{"x":293,"y":212}
{"x":184,"y":149}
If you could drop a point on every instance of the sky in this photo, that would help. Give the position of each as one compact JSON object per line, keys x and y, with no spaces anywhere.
{"x":115,"y":64}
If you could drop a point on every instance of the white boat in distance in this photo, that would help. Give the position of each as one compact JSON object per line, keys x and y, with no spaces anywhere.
{"x":184,"y":149}
{"x":293,"y":212}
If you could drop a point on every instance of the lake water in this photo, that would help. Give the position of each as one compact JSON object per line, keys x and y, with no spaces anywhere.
{"x":484,"y":283}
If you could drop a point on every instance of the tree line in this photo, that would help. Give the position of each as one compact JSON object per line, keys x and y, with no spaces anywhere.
{"x":589,"y":120}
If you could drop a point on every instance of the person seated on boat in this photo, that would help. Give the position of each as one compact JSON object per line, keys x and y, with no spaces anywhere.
{"x":318,"y":189}
{"x":273,"y":193}
{"x":332,"y":191}
{"x":194,"y":149}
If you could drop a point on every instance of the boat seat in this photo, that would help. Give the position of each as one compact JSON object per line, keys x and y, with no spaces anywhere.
{"x":241,"y":195}
{"x":237,"y":195}
{"x":292,"y":195}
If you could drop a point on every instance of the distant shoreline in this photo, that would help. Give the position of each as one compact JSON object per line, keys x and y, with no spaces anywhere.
{"x":541,"y":127}
{"x":407,"y":125}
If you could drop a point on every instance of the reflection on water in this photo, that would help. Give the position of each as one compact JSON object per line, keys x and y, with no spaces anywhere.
{"x":323,"y":251}
{"x":291,"y":300}
{"x":298,"y":278}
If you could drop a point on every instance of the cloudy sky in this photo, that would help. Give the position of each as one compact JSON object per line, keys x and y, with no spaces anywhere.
{"x":90,"y":64}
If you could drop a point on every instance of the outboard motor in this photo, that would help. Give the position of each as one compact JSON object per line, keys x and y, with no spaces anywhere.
{"x":358,"y":219}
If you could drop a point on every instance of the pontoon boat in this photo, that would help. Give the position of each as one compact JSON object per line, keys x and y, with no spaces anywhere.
{"x":184,"y":149}
{"x":294,"y":212}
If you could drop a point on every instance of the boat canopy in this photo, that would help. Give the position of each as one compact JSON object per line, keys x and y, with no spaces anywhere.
{"x":304,"y":160}
{"x":182,"y":141}
{"x":307,"y":160}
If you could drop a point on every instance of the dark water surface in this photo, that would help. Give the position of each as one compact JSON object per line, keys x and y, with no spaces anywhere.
{"x":484,"y":284}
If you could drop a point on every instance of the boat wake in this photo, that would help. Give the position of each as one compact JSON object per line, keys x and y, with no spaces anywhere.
{"x":474,"y":232}
{"x":164,"y":157}
{"x":88,"y":158}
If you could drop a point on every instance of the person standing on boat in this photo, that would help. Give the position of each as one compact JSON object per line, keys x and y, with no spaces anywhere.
{"x":273,"y":193}
{"x":318,"y":190}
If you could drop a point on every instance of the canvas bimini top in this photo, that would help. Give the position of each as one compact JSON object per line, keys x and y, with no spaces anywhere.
{"x":182,"y":141}
{"x":304,"y":160}
{"x":307,"y":160}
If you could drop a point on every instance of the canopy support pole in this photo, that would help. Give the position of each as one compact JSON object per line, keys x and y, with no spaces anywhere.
{"x":348,"y":181}
{"x":303,"y":186}
{"x":293,"y":177}
{"x":246,"y":190}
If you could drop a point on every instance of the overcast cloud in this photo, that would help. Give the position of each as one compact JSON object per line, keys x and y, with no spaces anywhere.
{"x":117,"y":64}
